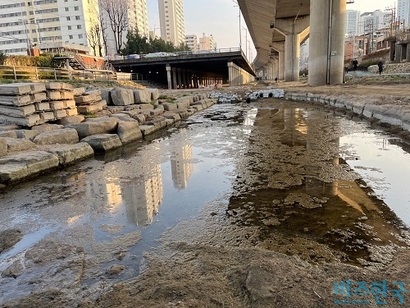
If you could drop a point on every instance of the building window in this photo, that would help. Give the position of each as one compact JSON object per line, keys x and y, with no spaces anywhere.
{"x":70,"y":37}
{"x":69,"y":27}
{"x":80,"y":36}
{"x":76,"y":8}
{"x":68,"y":18}
{"x":66,"y":9}
{"x":78,"y":26}
{"x":77,"y":18}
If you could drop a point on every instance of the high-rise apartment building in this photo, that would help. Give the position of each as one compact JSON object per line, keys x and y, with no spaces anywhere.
{"x":352,"y":22}
{"x":207,"y":42}
{"x":172,"y":23}
{"x":403,"y":12}
{"x":191,"y":40}
{"x":46,"y":24}
{"x":136,"y":18}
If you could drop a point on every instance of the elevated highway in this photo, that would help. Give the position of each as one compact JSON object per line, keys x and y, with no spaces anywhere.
{"x":191,"y":70}
{"x":279,"y":27}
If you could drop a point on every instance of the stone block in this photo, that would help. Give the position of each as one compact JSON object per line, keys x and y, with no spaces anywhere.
{"x":47,"y":127}
{"x":47,"y":116}
{"x":172,"y":115}
{"x":58,"y":86}
{"x":184,"y":105}
{"x":156,"y":112}
{"x":38,"y":97}
{"x":106,"y":95}
{"x":71,"y":153}
{"x":122,"y":97}
{"x":148,"y":129}
{"x":59,"y":136}
{"x":59,"y":114}
{"x":84,"y":109}
{"x":3,"y":147}
{"x":18,"y":144}
{"x":71,"y":112}
{"x":71,"y":120}
{"x":103,"y":142}
{"x":8,"y":133}
{"x":20,"y":166}
{"x":15,"y":89}
{"x":21,"y":100}
{"x":170,"y":106}
{"x":78,"y":91}
{"x":154,"y":93}
{"x":96,"y":126}
{"x":88,"y":97}
{"x":124,"y":117}
{"x":146,"y":106}
{"x":142,"y":96}
{"x":17,"y":112}
{"x":128,"y":131}
{"x":27,"y":121}
{"x":26,"y":134}
{"x":43,"y":106}
{"x":56,"y":105}
{"x":185,"y":100}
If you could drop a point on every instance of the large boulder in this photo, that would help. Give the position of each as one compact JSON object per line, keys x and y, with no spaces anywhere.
{"x":20,"y":166}
{"x":142,"y":96}
{"x":47,"y":127}
{"x":129,"y":131}
{"x":103,"y":142}
{"x":71,"y":153}
{"x":71,"y":120}
{"x":59,"y":136}
{"x":122,"y":97}
{"x":106,"y":95}
{"x":105,"y":125}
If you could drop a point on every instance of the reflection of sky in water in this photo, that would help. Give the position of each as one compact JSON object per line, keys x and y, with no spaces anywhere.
{"x":384,"y":166}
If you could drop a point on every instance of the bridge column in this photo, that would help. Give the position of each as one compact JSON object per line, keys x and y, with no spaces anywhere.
{"x":169,"y":79}
{"x":179,"y":78}
{"x":174,"y":77}
{"x":326,"y":46}
{"x":281,"y":68}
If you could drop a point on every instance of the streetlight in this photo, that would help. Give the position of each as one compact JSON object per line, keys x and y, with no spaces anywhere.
{"x":246,"y":41}
{"x":239,"y":17}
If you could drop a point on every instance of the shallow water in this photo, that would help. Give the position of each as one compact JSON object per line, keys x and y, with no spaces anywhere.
{"x":314,"y":184}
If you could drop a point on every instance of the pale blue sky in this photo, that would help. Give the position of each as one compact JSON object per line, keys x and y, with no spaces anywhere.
{"x":220,"y":18}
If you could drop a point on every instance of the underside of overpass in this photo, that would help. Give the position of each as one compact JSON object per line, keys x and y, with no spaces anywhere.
{"x":279,"y":27}
{"x":190,"y":70}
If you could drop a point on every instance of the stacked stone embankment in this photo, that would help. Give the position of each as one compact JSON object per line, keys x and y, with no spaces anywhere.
{"x":385,"y":109}
{"x":29,"y":148}
{"x":29,"y":104}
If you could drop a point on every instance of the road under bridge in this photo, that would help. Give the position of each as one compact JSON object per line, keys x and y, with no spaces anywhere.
{"x":191,"y":70}
{"x":279,"y":27}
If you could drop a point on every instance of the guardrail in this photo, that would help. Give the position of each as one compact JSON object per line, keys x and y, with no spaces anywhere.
{"x":47,"y":73}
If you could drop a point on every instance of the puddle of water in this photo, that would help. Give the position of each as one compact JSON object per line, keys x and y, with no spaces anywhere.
{"x":296,"y":186}
{"x":384,"y":166}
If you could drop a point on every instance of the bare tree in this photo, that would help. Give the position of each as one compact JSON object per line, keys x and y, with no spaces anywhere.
{"x":92,"y":36}
{"x":117,"y":13}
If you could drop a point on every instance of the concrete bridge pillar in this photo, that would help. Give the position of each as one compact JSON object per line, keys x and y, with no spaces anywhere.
{"x":169,"y":78}
{"x":281,"y":68}
{"x":174,"y":78}
{"x":326,"y":46}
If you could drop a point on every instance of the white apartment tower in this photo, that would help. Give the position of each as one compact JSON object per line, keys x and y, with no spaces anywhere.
{"x":191,"y":40}
{"x":403,"y":12}
{"x":47,"y":24}
{"x":207,"y":42}
{"x":172,"y":23}
{"x":136,"y":19}
{"x":352,"y":22}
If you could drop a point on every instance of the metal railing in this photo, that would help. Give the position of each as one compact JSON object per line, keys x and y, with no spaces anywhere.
{"x":47,"y":73}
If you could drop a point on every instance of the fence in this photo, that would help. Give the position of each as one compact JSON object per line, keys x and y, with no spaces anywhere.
{"x":47,"y":73}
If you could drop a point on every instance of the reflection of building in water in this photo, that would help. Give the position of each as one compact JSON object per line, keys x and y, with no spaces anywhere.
{"x":143,"y":195}
{"x":181,"y":165}
{"x":109,"y":189}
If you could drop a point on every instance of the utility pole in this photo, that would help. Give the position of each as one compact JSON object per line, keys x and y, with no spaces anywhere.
{"x":240,"y":27}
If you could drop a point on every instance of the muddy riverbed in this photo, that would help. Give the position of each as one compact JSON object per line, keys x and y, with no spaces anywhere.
{"x":267,"y":204}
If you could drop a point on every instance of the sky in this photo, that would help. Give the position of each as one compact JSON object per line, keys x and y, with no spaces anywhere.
{"x":220,"y":18}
